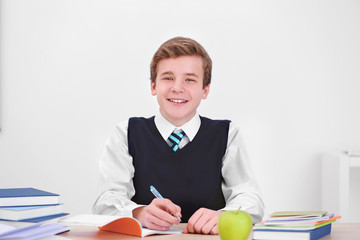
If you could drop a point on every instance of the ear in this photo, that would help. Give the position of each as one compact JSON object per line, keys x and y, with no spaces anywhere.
{"x":153,"y":87}
{"x":206,"y":91}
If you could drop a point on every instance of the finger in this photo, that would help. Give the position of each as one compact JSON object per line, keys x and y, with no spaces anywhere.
{"x":168,"y":206}
{"x":160,"y":208}
{"x":214,"y":230}
{"x":164,"y":216}
{"x":154,"y":226}
{"x":193,"y":220}
{"x":209,"y":226}
{"x":212,"y":223}
{"x":177,"y":211}
{"x":156,"y":223}
{"x":202,"y":221}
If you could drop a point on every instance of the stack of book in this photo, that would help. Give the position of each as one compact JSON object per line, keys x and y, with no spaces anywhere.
{"x":29,"y":205}
{"x":307,"y":225}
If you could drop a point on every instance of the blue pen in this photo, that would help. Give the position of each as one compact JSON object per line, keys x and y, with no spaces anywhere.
{"x":158,"y":195}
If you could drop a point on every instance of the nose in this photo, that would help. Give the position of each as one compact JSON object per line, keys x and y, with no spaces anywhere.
{"x":178,"y":86}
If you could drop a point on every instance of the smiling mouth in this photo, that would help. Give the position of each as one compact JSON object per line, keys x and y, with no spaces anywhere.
{"x":177,"y":100}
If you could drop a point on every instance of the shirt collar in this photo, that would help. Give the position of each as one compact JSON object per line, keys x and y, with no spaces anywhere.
{"x":165,"y":128}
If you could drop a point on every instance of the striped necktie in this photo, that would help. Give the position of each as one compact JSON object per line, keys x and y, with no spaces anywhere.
{"x":175,"y":139}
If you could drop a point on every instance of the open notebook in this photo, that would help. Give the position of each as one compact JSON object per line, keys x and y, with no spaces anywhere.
{"x":124,"y":225}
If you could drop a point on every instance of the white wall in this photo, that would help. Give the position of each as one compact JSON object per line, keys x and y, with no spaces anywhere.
{"x":287,"y":72}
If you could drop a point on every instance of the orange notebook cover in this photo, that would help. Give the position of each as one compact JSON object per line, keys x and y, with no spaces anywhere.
{"x":124,"y":225}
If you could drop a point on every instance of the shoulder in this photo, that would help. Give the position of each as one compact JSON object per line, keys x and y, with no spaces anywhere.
{"x":220,"y":127}
{"x":234,"y":131}
{"x":140,"y":120}
{"x":211,"y":122}
{"x":120,"y":129}
{"x":137,"y":123}
{"x":123,"y":126}
{"x":232,"y":126}
{"x":235,"y":135}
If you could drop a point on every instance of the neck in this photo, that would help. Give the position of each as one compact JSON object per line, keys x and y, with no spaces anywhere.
{"x":177,"y":122}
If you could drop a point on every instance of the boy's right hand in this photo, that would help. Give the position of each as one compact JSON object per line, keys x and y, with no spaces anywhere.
{"x":158,"y":214}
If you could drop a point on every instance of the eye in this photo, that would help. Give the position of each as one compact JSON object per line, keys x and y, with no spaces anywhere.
{"x":167,"y":78}
{"x":190,"y":80}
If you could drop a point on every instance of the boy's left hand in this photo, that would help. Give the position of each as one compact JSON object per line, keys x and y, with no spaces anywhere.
{"x":203,"y":221}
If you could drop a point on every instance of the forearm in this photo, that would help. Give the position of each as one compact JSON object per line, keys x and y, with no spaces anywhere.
{"x":111,"y":203}
{"x":116,"y":172}
{"x":239,"y":185}
{"x":249,"y":202}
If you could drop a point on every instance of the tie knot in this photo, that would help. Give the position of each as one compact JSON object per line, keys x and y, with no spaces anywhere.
{"x":175,"y":139}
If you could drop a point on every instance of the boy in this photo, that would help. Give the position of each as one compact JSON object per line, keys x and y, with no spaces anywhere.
{"x":201,"y":169}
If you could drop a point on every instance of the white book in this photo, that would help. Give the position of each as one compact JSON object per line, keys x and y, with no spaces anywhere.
{"x":34,"y":231}
{"x":25,"y":212}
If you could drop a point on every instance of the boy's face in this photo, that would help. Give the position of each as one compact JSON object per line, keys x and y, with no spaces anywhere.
{"x":179,"y":88}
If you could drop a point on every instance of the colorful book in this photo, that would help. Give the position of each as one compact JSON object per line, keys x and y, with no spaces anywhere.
{"x":26,"y":197}
{"x":19,"y":213}
{"x":285,"y":215}
{"x":260,"y":226}
{"x":291,"y":225}
{"x":124,"y":225}
{"x":271,"y":234}
{"x":299,"y":221}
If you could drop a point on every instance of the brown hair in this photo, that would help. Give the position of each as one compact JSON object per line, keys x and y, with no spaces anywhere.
{"x":177,"y":47}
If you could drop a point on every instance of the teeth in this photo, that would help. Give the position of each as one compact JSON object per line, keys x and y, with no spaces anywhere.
{"x":177,"y":101}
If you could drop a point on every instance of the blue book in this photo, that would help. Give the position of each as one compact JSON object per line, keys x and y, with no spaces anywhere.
{"x":26,"y":197}
{"x":269,"y":234}
{"x":44,"y":218}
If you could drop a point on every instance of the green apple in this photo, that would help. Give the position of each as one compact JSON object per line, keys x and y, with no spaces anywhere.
{"x":234,"y":225}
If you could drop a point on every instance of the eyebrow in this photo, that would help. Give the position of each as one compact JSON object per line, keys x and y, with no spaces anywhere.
{"x":167,"y":73}
{"x":186,"y":74}
{"x":192,"y":75}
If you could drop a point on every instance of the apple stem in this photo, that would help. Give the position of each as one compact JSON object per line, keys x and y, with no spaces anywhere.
{"x":238,"y":210}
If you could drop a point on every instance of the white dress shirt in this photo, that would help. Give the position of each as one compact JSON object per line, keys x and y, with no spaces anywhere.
{"x":117,"y":171}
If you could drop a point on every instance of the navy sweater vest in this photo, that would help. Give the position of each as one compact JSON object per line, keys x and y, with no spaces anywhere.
{"x":190,"y":177}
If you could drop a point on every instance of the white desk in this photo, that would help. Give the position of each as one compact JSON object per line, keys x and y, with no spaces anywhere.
{"x":337,"y":187}
{"x":339,"y":231}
